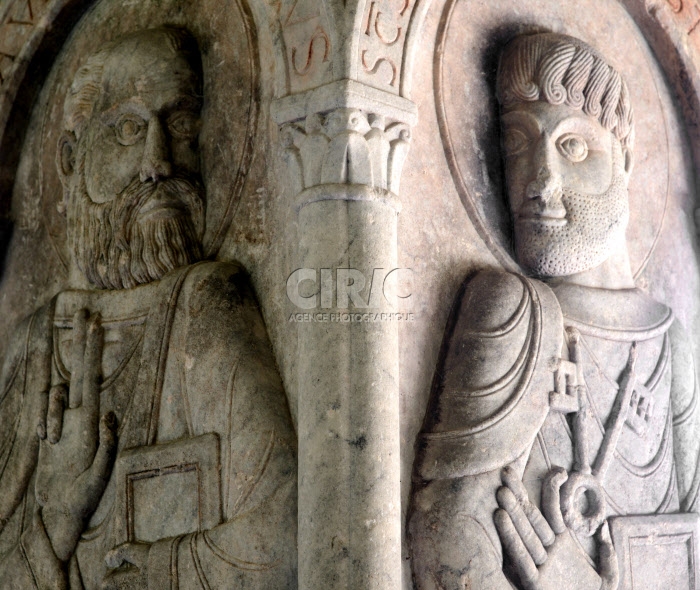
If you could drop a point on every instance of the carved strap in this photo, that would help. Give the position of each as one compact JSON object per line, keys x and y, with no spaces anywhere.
{"x":141,"y":420}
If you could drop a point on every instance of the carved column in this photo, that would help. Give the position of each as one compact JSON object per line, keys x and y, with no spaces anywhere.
{"x":345,"y":145}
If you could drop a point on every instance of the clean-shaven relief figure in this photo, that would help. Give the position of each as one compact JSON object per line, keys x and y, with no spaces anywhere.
{"x":146,"y":440}
{"x":564,"y":410}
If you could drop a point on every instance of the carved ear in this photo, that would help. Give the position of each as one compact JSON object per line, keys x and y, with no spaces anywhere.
{"x":65,"y":163}
{"x":628,"y":160}
{"x":65,"y":155}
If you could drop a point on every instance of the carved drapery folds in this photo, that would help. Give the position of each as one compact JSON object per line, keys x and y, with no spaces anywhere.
{"x":319,"y":110}
{"x":558,"y":97}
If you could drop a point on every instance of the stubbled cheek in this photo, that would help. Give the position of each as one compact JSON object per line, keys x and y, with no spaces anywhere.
{"x":592,"y":176}
{"x":594,"y":223}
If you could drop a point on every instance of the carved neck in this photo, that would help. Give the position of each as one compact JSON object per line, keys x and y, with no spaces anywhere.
{"x":76,"y":278}
{"x":614,"y":273}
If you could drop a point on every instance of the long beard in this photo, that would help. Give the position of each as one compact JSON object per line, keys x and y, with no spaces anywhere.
{"x":595,"y":225}
{"x":116,"y":250}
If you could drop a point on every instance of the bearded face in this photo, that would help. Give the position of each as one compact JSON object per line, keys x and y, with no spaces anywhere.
{"x":567,"y":187}
{"x":129,"y":160}
{"x":593,"y":226}
{"x":149,"y":229}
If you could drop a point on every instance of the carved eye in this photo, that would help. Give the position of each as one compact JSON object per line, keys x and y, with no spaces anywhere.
{"x":129,"y":128}
{"x":515,"y":142}
{"x":183,"y":125}
{"x":573,"y":147}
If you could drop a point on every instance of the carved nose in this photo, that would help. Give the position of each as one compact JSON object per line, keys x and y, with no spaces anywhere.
{"x":156,"y":158}
{"x":546,"y":186}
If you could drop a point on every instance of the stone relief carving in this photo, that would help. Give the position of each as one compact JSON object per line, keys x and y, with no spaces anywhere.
{"x":149,"y":443}
{"x":472,"y":149}
{"x":565,"y":407}
{"x":386,"y":45}
{"x":347,"y":146}
{"x":348,"y":49}
{"x":305,"y":28}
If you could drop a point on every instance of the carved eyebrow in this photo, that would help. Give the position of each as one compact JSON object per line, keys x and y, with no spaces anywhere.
{"x":182,"y":103}
{"x":110,"y":115}
{"x":523,"y":119}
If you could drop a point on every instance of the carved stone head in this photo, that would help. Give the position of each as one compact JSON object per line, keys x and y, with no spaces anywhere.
{"x":567,"y":141}
{"x":129,"y":159}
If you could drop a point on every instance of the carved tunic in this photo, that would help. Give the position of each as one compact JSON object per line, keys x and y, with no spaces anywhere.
{"x":490,"y":407}
{"x":197,"y":364}
{"x":643,"y":457}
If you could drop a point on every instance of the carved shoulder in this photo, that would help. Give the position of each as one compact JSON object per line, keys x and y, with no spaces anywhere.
{"x":218,"y":311}
{"x":490,"y":300}
{"x":219,"y":293}
{"x":216,"y":279}
{"x":489,"y":328}
{"x":493,"y":378}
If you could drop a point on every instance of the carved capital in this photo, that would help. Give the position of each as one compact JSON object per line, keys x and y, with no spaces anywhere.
{"x":345,"y":133}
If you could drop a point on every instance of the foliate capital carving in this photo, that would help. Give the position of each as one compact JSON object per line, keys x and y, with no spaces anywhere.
{"x":344,"y":134}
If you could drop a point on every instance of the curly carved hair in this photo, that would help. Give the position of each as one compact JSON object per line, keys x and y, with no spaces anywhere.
{"x":560,"y":69}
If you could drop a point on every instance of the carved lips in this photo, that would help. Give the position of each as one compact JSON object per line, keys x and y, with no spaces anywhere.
{"x":536,"y":212}
{"x":162,"y":206}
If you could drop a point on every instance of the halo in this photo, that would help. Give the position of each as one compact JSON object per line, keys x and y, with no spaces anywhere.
{"x":466,"y":58}
{"x":229,"y":117}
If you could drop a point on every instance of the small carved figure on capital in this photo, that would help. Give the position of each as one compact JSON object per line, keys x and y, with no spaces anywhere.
{"x":563,"y":419}
{"x":146,"y":440}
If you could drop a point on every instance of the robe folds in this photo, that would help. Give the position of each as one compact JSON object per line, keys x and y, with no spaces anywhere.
{"x":196,"y":385}
{"x":490,"y":407}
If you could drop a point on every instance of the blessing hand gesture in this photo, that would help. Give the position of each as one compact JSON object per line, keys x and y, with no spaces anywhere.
{"x":78,"y":445}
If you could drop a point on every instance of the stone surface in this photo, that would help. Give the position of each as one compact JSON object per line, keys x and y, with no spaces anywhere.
{"x":566,"y":399}
{"x":150,"y":359}
{"x":338,"y":141}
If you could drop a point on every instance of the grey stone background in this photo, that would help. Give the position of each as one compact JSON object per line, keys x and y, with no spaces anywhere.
{"x":437,"y":238}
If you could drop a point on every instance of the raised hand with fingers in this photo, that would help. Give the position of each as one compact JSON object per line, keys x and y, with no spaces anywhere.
{"x":539,"y":544}
{"x":78,"y":443}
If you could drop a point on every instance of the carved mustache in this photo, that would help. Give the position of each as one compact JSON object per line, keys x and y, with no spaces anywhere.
{"x":183,"y":192}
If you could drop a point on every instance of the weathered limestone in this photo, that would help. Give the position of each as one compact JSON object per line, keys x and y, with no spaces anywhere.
{"x":498,"y":464}
{"x":345,"y":143}
{"x":149,"y":360}
{"x":347,"y":164}
{"x":348,"y":155}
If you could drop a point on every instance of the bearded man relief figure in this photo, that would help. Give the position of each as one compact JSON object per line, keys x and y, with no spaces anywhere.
{"x":146,"y":438}
{"x":563,"y":420}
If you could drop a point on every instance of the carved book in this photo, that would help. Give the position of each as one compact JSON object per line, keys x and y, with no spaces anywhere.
{"x":168,"y":490}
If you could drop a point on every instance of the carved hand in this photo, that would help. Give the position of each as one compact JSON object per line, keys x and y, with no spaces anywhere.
{"x":78,"y":447}
{"x":542,"y":549}
{"x":128,"y":563}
